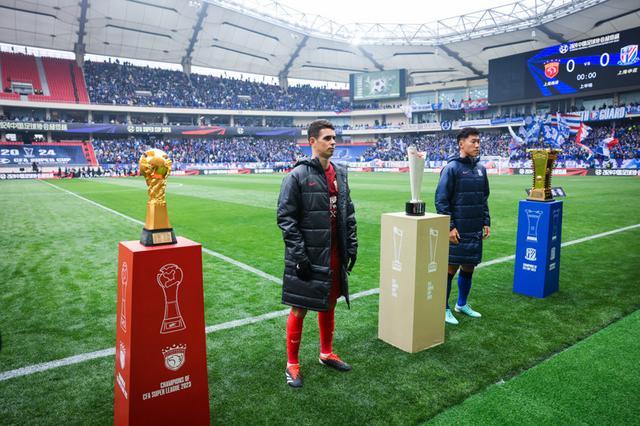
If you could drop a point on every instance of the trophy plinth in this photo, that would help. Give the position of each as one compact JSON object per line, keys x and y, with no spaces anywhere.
{"x":155,"y":166}
{"x":415,"y":208}
{"x":157,"y":237}
{"x":542,"y":163}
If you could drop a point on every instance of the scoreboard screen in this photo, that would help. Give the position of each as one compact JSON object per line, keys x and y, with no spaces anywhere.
{"x":378,"y":85}
{"x":604,"y":62}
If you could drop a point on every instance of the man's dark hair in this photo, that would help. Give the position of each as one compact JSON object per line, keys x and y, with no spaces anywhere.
{"x":466,"y":132}
{"x":314,"y":128}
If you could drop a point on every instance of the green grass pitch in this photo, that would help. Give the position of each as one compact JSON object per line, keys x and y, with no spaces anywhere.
{"x":57,"y":299}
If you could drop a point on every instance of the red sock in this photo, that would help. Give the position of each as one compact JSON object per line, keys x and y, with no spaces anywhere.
{"x":326,"y":324}
{"x":294,"y":335}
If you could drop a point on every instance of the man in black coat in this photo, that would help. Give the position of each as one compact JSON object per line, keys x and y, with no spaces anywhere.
{"x":462,"y":193}
{"x":318,"y":224}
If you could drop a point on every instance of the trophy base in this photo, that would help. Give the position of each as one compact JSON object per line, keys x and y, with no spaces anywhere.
{"x":171,"y":325}
{"x":415,"y":208}
{"x":157,"y":237}
{"x":538,"y":194}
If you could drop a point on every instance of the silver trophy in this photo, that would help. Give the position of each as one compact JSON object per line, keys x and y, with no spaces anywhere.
{"x":415,"y":207}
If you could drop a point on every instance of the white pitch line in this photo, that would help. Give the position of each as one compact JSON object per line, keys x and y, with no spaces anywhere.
{"x":603,"y":234}
{"x":220,"y":256}
{"x":76,"y":359}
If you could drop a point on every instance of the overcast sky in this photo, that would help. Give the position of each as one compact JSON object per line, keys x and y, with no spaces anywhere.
{"x":391,"y":11}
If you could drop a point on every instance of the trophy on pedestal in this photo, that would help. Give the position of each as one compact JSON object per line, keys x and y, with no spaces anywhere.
{"x":542,"y":163}
{"x":155,"y":166}
{"x":415,"y":207}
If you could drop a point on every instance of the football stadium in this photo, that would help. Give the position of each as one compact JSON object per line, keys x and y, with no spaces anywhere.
{"x":448,"y":193}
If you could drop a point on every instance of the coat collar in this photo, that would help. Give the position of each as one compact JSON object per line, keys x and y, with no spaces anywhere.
{"x":464,"y":160}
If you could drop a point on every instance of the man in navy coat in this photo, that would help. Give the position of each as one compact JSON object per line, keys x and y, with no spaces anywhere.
{"x":462,"y":193}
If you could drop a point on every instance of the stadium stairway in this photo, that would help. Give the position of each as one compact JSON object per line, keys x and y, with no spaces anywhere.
{"x":89,"y":153}
{"x":79,"y":85}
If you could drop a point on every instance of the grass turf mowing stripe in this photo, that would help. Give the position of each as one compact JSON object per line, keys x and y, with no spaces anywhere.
{"x":251,"y":320}
{"x":569,"y":386}
{"x":25,"y":371}
{"x":220,"y":256}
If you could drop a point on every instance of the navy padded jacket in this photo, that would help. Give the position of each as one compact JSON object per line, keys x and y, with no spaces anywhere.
{"x":462,"y":193}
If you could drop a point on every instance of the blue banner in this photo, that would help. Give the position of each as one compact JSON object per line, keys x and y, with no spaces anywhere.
{"x":123,"y":129}
{"x":12,"y":155}
{"x":342,"y":153}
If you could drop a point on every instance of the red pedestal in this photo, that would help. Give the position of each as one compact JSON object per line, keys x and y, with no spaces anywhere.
{"x":161,"y":365}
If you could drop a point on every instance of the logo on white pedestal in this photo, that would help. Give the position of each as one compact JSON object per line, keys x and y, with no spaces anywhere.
{"x":533,"y":219}
{"x":124,"y":277}
{"x":122,"y":353}
{"x":553,"y":254}
{"x":394,"y":287}
{"x":429,"y":290}
{"x":174,"y":356}
{"x":169,"y":279}
{"x":397,"y":249}
{"x":530,"y":255}
{"x":433,"y":245}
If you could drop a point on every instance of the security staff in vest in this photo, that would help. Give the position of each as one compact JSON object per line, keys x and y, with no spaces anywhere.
{"x":318,"y":224}
{"x":462,"y":193}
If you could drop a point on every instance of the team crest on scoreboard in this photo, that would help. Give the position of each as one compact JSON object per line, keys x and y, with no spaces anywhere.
{"x":628,"y":55}
{"x":174,"y":356}
{"x":551,"y":69}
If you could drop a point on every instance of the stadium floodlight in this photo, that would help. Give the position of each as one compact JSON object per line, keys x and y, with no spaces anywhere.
{"x":515,"y":16}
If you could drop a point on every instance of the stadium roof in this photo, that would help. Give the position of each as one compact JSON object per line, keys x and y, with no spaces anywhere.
{"x":265,"y":37}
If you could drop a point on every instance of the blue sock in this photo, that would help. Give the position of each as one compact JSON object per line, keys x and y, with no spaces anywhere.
{"x":449,"y":278}
{"x":464,"y":287}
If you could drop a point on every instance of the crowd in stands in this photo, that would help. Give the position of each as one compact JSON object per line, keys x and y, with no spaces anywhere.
{"x":437,"y":146}
{"x":604,"y":106}
{"x":199,"y":151}
{"x":124,"y":153}
{"x":122,"y":83}
{"x":628,"y":147}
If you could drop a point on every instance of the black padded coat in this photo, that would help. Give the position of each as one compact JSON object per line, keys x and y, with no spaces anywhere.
{"x":462,"y":193}
{"x":304,"y":218}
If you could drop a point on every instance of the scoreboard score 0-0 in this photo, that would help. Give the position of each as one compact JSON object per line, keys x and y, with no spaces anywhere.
{"x":609,"y":61}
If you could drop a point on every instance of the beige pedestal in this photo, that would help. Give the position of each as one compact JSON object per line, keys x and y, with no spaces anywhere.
{"x":414,"y":252}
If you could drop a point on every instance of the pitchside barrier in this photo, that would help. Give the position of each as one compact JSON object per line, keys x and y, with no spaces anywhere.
{"x":367,"y":169}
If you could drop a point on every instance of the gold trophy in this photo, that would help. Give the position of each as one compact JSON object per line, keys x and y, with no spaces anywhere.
{"x":542,"y":162}
{"x":155,"y":166}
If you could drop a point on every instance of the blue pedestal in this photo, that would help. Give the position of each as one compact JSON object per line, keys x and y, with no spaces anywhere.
{"x":537,"y":269}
